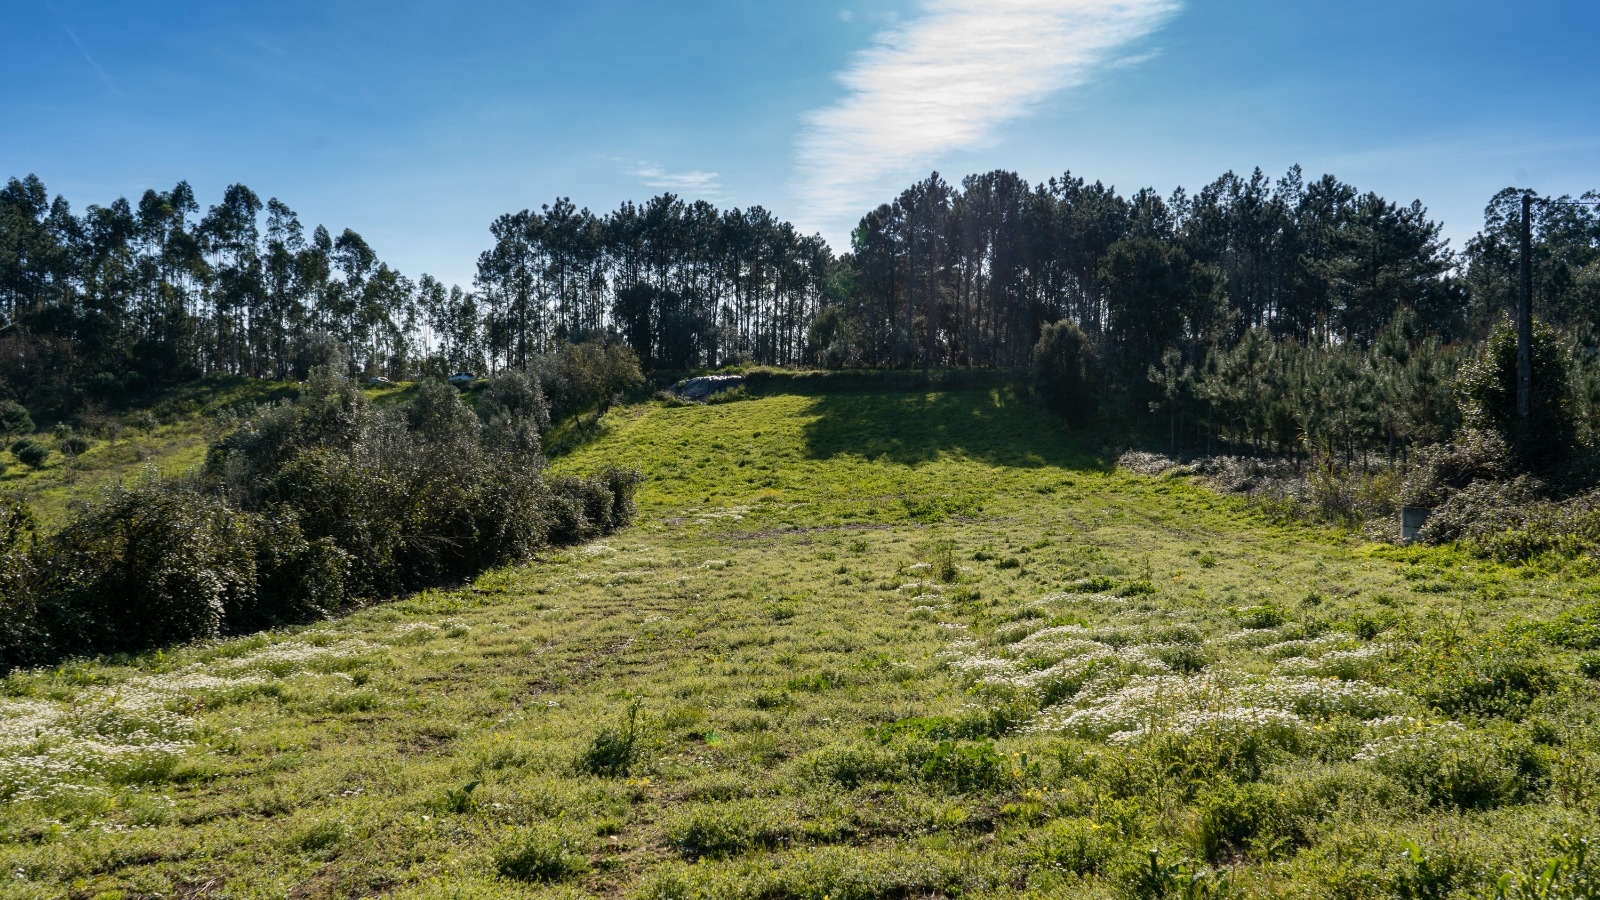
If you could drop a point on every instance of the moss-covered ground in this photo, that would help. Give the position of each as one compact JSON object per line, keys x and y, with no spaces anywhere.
{"x":858,"y":645}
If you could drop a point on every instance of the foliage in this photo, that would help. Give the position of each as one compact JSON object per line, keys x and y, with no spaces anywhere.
{"x":722,"y":830}
{"x":14,"y":419}
{"x":1488,"y":389}
{"x":305,"y":508}
{"x":1065,"y":372}
{"x":577,"y":377}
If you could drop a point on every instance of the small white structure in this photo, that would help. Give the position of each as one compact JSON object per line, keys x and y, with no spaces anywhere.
{"x":700,"y":388}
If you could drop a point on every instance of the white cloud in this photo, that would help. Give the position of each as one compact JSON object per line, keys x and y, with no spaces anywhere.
{"x":944,"y":82}
{"x":703,"y":185}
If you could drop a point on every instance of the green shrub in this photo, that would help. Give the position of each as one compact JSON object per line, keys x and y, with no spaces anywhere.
{"x":577,"y":377}
{"x":296,"y":580}
{"x":1589,"y":665}
{"x":729,"y":395}
{"x":21,"y":641}
{"x":837,"y":873}
{"x":541,"y":854}
{"x":963,"y":767}
{"x":1191,"y":759}
{"x":305,"y":507}
{"x":150,"y":565}
{"x":30,"y":453}
{"x":1434,"y":875}
{"x":1264,"y":615}
{"x":1235,"y":818}
{"x":1496,"y":674}
{"x":1576,"y":629}
{"x":853,"y":765}
{"x":1487,"y":387}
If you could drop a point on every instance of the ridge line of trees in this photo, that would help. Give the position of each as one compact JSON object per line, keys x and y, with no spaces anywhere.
{"x":1286,"y":313}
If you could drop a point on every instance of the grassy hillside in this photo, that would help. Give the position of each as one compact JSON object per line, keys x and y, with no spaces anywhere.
{"x":861,"y":645}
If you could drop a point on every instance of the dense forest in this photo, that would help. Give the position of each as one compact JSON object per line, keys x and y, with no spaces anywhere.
{"x":1287,"y":314}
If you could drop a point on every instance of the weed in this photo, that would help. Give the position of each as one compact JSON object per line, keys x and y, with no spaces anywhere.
{"x":614,"y":751}
{"x":460,"y":800}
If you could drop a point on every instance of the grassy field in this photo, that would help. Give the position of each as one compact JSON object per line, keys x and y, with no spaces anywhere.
{"x":860,"y":645}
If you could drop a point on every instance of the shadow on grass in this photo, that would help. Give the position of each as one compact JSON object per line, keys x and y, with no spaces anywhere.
{"x":996,"y":426}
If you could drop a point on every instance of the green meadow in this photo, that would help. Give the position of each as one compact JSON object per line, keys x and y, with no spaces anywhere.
{"x":860,"y":644}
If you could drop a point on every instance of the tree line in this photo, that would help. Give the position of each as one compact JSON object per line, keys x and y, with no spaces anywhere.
{"x":111,"y":301}
{"x":1268,"y":313}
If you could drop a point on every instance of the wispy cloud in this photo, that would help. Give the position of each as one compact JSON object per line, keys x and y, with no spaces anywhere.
{"x":85,"y":51}
{"x":945,"y":80}
{"x":703,"y":185}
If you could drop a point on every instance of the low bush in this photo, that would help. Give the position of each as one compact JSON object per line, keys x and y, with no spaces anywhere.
{"x":14,"y":419}
{"x":154,"y":564}
{"x":20,"y":641}
{"x":837,"y":873}
{"x":729,"y":395}
{"x":1260,"y":819}
{"x":963,"y":767}
{"x":1442,"y":469}
{"x":853,"y":765}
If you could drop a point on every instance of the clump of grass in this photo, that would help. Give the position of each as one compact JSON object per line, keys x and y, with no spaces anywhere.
{"x":1447,"y":766}
{"x":728,"y":395}
{"x":320,"y":836}
{"x":940,"y":557}
{"x":541,"y":854}
{"x":1589,"y":665}
{"x":720,"y":830}
{"x":1498,"y":674}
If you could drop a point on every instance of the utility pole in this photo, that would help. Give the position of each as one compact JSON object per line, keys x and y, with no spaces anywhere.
{"x":1525,"y":324}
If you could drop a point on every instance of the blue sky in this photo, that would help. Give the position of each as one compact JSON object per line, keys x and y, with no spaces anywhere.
{"x":417,"y":123}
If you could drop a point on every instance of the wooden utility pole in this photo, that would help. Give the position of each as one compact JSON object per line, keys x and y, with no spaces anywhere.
{"x":1525,"y":323}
